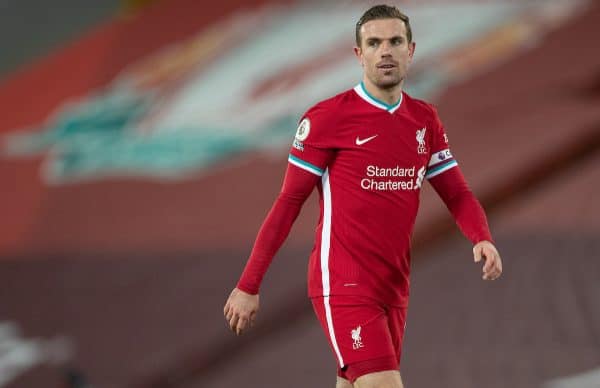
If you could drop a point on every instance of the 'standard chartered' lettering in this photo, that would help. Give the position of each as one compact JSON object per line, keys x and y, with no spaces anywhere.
{"x":393,"y":171}
{"x":371,"y":182}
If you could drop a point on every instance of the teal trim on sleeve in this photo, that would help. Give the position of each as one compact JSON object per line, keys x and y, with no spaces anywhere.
{"x":442,"y":167}
{"x":307,"y":166}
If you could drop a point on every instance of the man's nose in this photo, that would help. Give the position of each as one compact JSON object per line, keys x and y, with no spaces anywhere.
{"x":386,"y":49}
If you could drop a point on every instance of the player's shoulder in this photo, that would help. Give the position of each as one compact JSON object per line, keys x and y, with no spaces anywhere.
{"x":418,"y":106}
{"x":321,"y":120}
{"x":332,"y":107}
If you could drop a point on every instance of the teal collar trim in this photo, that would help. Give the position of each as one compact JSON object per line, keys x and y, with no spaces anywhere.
{"x":362,"y":91}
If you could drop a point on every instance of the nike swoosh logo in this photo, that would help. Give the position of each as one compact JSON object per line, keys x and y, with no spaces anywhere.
{"x":363,"y":141}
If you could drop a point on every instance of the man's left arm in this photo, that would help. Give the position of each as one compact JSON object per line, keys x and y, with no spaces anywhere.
{"x":470,"y":217}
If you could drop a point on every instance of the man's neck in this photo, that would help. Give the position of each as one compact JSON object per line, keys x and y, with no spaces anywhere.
{"x":389,"y":96}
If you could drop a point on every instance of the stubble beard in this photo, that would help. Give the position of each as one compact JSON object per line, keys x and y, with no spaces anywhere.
{"x":387,"y":82}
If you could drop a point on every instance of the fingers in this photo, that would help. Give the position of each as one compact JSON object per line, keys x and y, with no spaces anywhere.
{"x":241,"y":326}
{"x":477,"y":253}
{"x":492,"y":268}
{"x":489,"y":262}
{"x":238,"y":323}
{"x":234,"y":321}
{"x":493,"y":265}
{"x":240,"y":310}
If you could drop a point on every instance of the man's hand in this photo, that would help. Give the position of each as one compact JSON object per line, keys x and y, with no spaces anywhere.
{"x":240,"y":310}
{"x":492,"y":269}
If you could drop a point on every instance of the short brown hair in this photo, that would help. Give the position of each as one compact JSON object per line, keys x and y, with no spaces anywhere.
{"x":383,"y":12}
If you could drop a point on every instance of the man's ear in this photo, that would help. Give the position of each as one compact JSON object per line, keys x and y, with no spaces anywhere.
{"x":411,"y":50}
{"x":358,"y":53}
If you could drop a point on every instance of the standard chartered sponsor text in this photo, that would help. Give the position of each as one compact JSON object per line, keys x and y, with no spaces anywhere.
{"x":374,"y":172}
{"x":390,"y":171}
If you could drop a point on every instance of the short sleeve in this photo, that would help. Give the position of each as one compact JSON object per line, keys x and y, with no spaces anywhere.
{"x":441,"y":158}
{"x":312,"y":148}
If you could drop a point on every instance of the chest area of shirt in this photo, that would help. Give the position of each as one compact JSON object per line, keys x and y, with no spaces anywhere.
{"x":393,"y":139}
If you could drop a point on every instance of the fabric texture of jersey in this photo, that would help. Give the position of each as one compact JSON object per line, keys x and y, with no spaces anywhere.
{"x":372,"y":159}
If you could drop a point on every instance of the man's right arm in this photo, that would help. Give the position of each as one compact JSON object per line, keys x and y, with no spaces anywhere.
{"x":310,"y":154}
{"x":242,"y":305}
{"x":297,"y":187}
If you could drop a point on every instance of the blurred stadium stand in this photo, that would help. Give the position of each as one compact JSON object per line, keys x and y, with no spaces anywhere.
{"x":115,"y":274}
{"x":30,"y":29}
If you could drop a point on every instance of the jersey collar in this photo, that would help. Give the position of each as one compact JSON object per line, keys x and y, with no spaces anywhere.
{"x":365,"y":95}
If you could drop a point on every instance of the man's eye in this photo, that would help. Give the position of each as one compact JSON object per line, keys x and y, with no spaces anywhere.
{"x":396,"y":42}
{"x":373,"y":43}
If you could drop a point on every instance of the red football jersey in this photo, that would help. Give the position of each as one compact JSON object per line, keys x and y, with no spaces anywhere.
{"x":372,"y":158}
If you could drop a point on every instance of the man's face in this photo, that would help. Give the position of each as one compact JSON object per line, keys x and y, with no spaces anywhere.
{"x":384,"y":52}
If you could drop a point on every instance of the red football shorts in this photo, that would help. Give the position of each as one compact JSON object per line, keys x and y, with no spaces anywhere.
{"x":364,"y":335}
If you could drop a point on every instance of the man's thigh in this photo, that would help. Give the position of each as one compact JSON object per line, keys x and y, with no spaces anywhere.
{"x":342,"y":383}
{"x":385,"y":379}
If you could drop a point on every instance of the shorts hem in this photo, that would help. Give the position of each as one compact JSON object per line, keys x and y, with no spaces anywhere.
{"x":358,"y":369}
